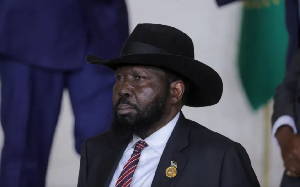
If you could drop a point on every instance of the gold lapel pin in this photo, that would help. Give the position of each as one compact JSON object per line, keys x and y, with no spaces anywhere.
{"x":171,"y":171}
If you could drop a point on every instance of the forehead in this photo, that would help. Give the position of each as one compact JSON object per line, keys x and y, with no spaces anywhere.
{"x":152,"y":70}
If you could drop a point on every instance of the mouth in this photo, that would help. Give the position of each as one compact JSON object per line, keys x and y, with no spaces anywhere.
{"x":125,"y":109}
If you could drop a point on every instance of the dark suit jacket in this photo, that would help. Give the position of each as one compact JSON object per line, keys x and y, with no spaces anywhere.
{"x":60,"y":33}
{"x":204,"y":159}
{"x":292,"y":25}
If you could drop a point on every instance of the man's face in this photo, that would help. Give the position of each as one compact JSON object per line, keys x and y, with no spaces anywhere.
{"x":139,"y":97}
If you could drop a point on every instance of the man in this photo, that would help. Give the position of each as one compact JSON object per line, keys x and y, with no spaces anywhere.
{"x":286,"y":113}
{"x":42,"y":50}
{"x":284,"y":129}
{"x":150,"y":142}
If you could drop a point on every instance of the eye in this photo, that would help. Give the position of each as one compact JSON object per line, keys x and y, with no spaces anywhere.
{"x":138,"y":77}
{"x":118,"y":77}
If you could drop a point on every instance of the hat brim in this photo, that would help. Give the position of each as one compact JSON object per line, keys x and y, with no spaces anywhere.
{"x":207,"y":86}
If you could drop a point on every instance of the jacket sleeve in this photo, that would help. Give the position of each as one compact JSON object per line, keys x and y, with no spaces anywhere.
{"x":236,"y":170}
{"x":285,"y":98}
{"x":83,"y":166}
{"x":224,"y":2}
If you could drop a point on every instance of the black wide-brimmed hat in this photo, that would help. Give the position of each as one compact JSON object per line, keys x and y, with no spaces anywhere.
{"x":167,"y":47}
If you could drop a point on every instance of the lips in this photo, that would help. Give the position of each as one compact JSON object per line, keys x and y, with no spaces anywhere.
{"x":125,"y":108}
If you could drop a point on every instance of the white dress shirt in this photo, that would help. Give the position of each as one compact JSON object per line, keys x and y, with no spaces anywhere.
{"x":283,"y":120}
{"x":150,"y":156}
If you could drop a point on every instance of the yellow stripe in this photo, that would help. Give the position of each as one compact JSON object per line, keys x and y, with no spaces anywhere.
{"x":258,"y":4}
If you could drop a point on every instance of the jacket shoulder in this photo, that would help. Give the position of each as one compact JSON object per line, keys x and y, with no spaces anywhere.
{"x":201,"y":135}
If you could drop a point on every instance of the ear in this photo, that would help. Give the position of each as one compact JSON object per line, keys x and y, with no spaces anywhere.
{"x":176,"y":91}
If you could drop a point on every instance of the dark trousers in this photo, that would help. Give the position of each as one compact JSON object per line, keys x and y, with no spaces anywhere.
{"x":30,"y":107}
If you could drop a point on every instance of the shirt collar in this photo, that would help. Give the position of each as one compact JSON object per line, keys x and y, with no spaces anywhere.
{"x":158,"y":139}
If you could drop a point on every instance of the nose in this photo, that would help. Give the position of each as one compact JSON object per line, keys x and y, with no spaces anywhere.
{"x":125,"y":89}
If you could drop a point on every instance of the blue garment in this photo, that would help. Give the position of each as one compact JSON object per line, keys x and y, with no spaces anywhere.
{"x":292,"y":25}
{"x":59,"y":34}
{"x":30,"y":103}
{"x":42,"y":51}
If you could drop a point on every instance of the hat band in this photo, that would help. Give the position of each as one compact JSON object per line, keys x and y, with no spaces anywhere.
{"x":134,"y":48}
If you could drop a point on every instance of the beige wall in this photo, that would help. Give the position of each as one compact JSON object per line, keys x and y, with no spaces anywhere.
{"x":215,"y":34}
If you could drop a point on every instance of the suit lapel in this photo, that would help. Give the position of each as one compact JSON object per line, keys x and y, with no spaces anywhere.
{"x":107,"y":164}
{"x":178,"y":140}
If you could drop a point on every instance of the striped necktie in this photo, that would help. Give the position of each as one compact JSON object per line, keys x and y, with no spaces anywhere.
{"x":126,"y":175}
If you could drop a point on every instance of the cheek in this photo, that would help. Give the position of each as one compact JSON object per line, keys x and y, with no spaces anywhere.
{"x":147,"y":96}
{"x":115,"y":94}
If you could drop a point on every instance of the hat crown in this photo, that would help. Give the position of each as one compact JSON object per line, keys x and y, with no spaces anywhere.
{"x":164,"y":39}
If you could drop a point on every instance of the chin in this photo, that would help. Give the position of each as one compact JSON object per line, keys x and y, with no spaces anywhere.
{"x":128,"y":118}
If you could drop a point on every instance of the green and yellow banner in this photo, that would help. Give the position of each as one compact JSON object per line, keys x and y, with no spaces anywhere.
{"x":263,"y":45}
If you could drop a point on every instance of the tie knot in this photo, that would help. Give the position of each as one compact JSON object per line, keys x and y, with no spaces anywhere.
{"x":140,"y":145}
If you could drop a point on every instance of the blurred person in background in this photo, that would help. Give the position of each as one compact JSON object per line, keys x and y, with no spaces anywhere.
{"x":285,"y":119}
{"x":42,"y":51}
{"x":285,"y":122}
